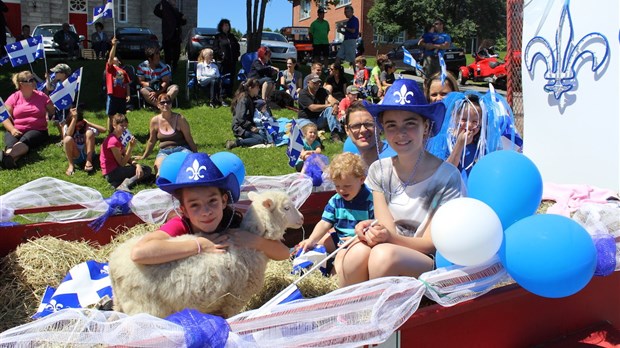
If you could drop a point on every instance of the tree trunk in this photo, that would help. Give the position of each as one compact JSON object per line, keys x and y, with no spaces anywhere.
{"x":255,"y":20}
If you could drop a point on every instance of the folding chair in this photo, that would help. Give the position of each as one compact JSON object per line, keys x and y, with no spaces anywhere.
{"x":141,"y":102}
{"x":246,"y":64}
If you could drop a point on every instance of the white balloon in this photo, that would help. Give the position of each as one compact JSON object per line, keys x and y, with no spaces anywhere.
{"x":466,"y":231}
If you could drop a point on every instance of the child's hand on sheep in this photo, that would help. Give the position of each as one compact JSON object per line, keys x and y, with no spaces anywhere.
{"x":273,"y":249}
{"x":219,"y":244}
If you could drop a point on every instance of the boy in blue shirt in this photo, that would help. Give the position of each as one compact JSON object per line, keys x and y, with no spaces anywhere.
{"x":351,"y":204}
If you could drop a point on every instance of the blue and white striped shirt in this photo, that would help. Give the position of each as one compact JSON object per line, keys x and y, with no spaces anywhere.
{"x":344,"y":215}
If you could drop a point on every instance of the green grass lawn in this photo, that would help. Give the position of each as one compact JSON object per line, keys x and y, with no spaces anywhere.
{"x":210,"y":129}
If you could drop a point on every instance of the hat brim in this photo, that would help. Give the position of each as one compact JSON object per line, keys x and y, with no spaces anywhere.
{"x":228,"y":183}
{"x":434,"y":112}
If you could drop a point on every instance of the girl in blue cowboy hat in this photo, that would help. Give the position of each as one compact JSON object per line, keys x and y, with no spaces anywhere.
{"x":204,"y":194}
{"x":406,"y":188}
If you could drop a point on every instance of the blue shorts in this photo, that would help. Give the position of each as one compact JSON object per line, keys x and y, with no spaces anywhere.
{"x":116,"y":105}
{"x":170,"y":150}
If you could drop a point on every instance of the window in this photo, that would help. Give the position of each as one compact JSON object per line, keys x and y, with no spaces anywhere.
{"x":381,"y":38}
{"x":304,"y":9}
{"x":122,"y":11}
{"x":342,"y":3}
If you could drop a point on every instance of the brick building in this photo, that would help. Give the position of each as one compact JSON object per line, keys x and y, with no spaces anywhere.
{"x":305,"y":12}
{"x":78,"y":12}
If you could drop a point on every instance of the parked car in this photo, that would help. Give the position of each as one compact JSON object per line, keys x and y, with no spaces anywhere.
{"x":47,"y":31}
{"x":396,"y":54}
{"x":133,"y":40}
{"x":453,"y":56}
{"x":197,"y":39}
{"x":281,"y":49}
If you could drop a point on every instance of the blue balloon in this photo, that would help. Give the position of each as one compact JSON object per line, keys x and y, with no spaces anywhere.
{"x":170,"y":166}
{"x":509,"y":183}
{"x":549,"y":255}
{"x":228,"y":162}
{"x":441,"y":261}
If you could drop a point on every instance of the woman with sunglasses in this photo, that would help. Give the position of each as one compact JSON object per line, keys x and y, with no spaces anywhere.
{"x":172,"y":131}
{"x":26,"y":126}
{"x":336,"y":82}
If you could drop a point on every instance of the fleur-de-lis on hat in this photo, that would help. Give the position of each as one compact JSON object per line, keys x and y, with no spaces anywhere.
{"x":402,"y":95}
{"x":195,"y":170}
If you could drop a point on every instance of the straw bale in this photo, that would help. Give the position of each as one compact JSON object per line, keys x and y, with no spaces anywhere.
{"x":278,"y":276}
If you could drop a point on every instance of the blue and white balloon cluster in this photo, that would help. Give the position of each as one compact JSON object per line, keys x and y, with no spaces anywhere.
{"x":548,"y":255}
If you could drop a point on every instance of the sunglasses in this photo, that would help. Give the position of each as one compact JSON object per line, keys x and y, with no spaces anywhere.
{"x":28,"y":81}
{"x":356,"y":127}
{"x":437,"y":23}
{"x":165,"y":102}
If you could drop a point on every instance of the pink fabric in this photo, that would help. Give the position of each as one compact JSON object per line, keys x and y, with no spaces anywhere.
{"x":175,"y":227}
{"x":29,"y":114}
{"x":569,"y":198}
{"x":106,"y":158}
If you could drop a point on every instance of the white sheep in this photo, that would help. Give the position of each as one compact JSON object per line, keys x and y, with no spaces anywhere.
{"x":219,"y":284}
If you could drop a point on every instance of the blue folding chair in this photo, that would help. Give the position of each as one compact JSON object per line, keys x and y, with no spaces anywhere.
{"x":246,"y":64}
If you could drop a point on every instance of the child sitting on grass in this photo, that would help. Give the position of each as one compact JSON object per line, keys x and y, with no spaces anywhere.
{"x":79,"y":141}
{"x":351,"y":204}
{"x":312,"y":144}
{"x":361,"y":75}
{"x":262,"y":115}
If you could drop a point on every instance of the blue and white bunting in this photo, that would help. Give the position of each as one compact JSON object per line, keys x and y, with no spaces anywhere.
{"x":106,"y":11}
{"x":444,"y":71}
{"x":85,"y":285}
{"x":4,"y":113}
{"x":25,"y":51}
{"x":409,"y":60}
{"x":295,"y":144}
{"x":64,"y":95}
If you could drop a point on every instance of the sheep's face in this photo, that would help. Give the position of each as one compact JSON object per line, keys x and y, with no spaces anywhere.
{"x":282,"y":212}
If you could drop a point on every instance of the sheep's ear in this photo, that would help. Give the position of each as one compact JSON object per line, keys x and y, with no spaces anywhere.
{"x":268,"y":203}
{"x":252,"y":195}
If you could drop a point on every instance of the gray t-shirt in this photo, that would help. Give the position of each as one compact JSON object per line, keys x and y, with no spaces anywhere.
{"x":409,"y":205}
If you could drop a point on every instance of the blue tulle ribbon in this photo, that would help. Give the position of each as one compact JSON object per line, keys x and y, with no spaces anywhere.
{"x":314,"y":165}
{"x":605,"y":254}
{"x":118,"y":204}
{"x":201,"y":330}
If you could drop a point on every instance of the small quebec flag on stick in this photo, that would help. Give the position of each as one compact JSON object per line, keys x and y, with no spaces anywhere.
{"x":295,"y":144}
{"x":106,"y":11}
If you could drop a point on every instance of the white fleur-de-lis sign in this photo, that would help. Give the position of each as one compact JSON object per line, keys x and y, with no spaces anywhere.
{"x":195,"y":170}
{"x":403,"y":95}
{"x":13,"y":47}
{"x":563,"y":61}
{"x":54,"y":306}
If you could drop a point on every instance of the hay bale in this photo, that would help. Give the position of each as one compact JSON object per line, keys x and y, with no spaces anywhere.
{"x":278,"y":276}
{"x":122,"y":236}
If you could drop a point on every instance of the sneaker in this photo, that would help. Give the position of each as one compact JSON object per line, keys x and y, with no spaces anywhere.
{"x":224,"y":104}
{"x":8,"y":162}
{"x":124,"y":186}
{"x":230,"y":144}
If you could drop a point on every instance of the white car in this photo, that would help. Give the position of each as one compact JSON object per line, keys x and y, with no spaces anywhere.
{"x":48,"y":31}
{"x":281,"y":49}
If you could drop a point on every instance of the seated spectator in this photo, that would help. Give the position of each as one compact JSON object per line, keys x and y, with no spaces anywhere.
{"x":435,"y":90}
{"x":264,"y":72}
{"x":291,"y":79}
{"x":101,"y":43}
{"x":387,"y":75}
{"x":312,"y":144}
{"x":172,"y":131}
{"x":25,"y":33}
{"x":26,"y":128}
{"x":262,"y":115}
{"x":79,"y":141}
{"x":242,"y":107}
{"x":336,"y":83}
{"x":208,"y":76}
{"x":155,"y":77}
{"x":60,"y":73}
{"x":352,"y":95}
{"x":118,"y":85}
{"x":117,"y":166}
{"x":317,"y":69}
{"x":68,"y":41}
{"x":318,"y":106}
{"x":374,"y":83}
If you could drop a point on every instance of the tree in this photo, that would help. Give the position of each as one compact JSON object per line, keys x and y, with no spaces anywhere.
{"x":463,"y":19}
{"x":236,"y":33}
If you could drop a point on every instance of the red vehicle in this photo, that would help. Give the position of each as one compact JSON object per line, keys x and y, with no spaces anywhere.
{"x":300,"y":37}
{"x":487,"y":67}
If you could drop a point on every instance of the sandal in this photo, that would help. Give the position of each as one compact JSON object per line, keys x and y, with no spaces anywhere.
{"x":88,"y":167}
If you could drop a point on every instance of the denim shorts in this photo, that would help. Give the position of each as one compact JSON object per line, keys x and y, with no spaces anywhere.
{"x":170,"y":150}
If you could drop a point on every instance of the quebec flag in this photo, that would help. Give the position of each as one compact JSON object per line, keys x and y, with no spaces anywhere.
{"x":295,"y":144}
{"x":25,"y":51}
{"x":409,"y":60}
{"x":273,"y":129}
{"x":106,"y":11}
{"x":4,"y":114}
{"x":85,"y":285}
{"x":64,"y":95}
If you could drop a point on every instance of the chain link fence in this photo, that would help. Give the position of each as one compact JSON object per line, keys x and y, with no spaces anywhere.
{"x":514,"y":32}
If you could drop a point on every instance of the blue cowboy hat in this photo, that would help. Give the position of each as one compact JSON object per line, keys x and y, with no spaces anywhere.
{"x":405,"y":95}
{"x":199,"y":170}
